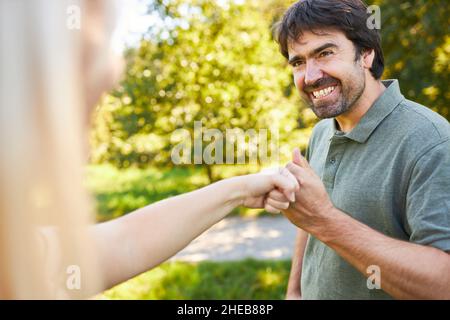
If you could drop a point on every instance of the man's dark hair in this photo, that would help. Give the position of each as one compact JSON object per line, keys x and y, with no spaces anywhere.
{"x":348,"y":16}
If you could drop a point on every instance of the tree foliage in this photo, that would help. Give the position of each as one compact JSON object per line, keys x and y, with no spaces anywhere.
{"x":416,"y":43}
{"x":222,"y":68}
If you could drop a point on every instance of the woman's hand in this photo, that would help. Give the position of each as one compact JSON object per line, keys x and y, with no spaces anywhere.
{"x":256,"y":187}
{"x":312,"y":205}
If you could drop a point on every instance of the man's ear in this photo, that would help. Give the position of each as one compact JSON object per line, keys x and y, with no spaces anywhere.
{"x":368,"y":55}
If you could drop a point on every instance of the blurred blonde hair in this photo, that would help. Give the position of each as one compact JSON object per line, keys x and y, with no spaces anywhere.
{"x":44,"y":68}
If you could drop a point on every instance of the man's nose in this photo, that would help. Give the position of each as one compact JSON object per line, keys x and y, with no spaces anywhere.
{"x":312,"y":73}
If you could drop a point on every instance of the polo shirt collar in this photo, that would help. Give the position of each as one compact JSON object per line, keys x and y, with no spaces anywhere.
{"x":381,"y":108}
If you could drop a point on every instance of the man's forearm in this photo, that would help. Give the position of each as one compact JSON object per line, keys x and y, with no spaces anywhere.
{"x":294,"y":288}
{"x":408,"y":270}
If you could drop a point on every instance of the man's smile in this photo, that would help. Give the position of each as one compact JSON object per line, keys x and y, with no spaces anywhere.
{"x":326,"y":94}
{"x":321,"y":93}
{"x":323,"y":89}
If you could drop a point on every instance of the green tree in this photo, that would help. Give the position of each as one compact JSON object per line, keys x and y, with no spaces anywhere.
{"x":416,"y":43}
{"x":217,"y":64}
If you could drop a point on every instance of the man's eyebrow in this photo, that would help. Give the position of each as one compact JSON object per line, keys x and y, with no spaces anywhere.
{"x":315,"y":51}
{"x":322,"y":47}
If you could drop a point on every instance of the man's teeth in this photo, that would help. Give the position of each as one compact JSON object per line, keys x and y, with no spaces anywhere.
{"x":323,"y":93}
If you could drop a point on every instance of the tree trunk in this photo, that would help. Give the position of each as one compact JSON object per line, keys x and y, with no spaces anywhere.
{"x":210,"y":174}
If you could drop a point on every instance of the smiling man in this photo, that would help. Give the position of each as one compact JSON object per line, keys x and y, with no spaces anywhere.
{"x":375,"y":187}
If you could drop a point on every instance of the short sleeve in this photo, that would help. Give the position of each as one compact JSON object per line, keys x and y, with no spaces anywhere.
{"x":428,"y":198}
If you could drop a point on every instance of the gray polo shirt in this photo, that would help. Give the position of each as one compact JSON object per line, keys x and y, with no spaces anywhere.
{"x":392,"y":173}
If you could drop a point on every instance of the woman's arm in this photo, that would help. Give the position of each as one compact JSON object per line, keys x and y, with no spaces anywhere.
{"x":141,"y":240}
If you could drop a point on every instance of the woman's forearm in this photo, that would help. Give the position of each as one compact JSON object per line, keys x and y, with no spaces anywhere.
{"x":134,"y":243}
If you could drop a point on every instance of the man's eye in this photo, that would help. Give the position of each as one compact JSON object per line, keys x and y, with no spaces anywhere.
{"x":325,"y":53}
{"x":297,"y":63}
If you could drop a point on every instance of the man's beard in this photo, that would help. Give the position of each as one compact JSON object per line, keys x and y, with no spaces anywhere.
{"x":349,"y":93}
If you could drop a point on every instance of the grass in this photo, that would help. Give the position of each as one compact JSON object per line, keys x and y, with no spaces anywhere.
{"x":246,"y":279}
{"x":118,"y":192}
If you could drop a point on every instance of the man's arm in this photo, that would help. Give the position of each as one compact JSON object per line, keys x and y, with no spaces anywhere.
{"x":294,"y":288}
{"x":276,"y":199}
{"x":408,"y":270}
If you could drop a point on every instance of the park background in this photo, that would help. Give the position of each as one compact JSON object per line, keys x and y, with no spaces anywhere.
{"x":216,"y":62}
